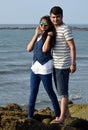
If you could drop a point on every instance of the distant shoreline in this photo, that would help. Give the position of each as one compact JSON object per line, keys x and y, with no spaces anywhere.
{"x":16,"y":28}
{"x":28,"y":28}
{"x":79,"y":28}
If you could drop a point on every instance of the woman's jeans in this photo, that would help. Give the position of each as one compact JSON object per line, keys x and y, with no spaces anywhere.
{"x":34,"y":87}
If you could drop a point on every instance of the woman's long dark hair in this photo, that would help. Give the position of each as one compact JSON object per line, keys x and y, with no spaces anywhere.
{"x":50,"y":29}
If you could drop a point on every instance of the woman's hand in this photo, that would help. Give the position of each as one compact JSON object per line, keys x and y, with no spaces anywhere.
{"x":37,"y":30}
{"x":50,"y":34}
{"x":31,"y":43}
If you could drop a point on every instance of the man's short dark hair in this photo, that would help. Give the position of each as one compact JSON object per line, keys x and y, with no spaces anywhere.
{"x":56,"y":10}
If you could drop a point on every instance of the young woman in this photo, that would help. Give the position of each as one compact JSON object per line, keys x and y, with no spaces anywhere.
{"x":41,"y":70}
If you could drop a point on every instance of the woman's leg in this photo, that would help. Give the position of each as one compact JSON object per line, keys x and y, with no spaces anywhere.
{"x":47,"y":82}
{"x":34,"y":87}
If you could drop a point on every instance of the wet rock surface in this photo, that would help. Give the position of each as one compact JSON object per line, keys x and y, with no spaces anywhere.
{"x":12,"y":117}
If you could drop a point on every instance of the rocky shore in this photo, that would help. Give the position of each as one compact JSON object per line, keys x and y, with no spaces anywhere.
{"x":13,"y":117}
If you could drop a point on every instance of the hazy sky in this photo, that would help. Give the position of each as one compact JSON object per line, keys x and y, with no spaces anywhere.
{"x":30,"y":11}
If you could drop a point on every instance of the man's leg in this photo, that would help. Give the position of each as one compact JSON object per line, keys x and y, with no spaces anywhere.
{"x":61,"y":80}
{"x":64,"y":109}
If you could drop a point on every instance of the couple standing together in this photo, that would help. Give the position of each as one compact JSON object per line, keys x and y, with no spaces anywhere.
{"x":53,"y":52}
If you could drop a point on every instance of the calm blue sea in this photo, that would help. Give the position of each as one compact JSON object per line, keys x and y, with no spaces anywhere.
{"x":15,"y":63}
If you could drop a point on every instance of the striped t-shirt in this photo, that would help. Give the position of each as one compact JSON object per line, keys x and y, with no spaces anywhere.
{"x":61,"y":51}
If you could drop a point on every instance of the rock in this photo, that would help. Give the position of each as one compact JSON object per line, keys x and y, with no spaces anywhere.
{"x":77,"y":123}
{"x":13,"y":106}
{"x":12,"y":117}
{"x":79,"y":110}
{"x":45,"y":113}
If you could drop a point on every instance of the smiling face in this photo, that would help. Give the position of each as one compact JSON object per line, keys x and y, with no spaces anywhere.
{"x":56,"y":19}
{"x":44,"y":25}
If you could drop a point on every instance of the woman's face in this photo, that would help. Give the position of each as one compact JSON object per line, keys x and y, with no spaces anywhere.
{"x":44,"y":25}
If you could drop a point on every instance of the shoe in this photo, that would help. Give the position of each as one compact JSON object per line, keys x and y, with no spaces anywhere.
{"x":57,"y":122}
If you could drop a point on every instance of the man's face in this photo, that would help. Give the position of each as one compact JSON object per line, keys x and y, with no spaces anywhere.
{"x":56,"y":19}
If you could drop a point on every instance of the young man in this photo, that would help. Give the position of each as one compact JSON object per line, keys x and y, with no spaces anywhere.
{"x":64,"y":59}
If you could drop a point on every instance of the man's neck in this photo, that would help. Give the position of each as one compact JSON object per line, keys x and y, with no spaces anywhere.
{"x":58,"y":25}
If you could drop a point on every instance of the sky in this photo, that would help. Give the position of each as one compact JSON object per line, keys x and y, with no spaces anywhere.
{"x":30,"y":11}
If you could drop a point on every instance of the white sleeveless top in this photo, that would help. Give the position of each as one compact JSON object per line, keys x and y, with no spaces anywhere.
{"x":46,"y":68}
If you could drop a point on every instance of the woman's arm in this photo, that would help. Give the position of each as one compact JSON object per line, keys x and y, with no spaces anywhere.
{"x":31,"y":43}
{"x":47,"y":45}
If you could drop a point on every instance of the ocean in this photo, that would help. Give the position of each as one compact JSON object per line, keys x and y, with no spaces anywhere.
{"x":15,"y":64}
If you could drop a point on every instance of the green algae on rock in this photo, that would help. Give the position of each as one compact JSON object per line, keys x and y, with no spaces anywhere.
{"x":12,"y":117}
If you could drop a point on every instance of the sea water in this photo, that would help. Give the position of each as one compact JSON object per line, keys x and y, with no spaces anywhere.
{"x":15,"y":65}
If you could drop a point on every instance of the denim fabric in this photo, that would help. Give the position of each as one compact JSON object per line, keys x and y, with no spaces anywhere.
{"x":34,"y":87}
{"x":39,"y":55}
{"x":61,"y":78}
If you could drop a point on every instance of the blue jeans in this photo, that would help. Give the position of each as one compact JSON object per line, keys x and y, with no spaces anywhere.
{"x":34,"y":87}
{"x":61,"y":78}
